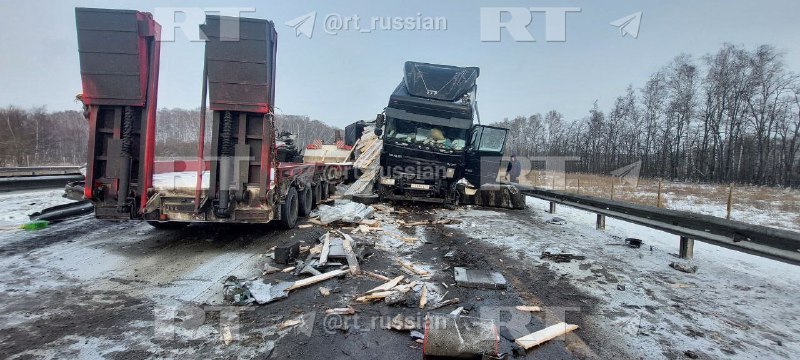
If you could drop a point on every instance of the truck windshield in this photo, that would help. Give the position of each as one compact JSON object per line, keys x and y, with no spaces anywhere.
{"x":431,"y":136}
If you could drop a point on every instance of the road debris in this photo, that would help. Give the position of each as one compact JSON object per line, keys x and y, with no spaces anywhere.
{"x":413,"y":269}
{"x":269,"y":269}
{"x":685,"y":267}
{"x":376,"y":275}
{"x":325,"y":292}
{"x":557,"y":221}
{"x":442,"y":304}
{"x":341,"y":311}
{"x":428,"y":222}
{"x":352,"y":261}
{"x":287,"y":252}
{"x":479,"y":278}
{"x":460,"y":336}
{"x":561,"y":257}
{"x":387,"y":286}
{"x":345,"y":211}
{"x":423,"y":297}
{"x":544,"y":335}
{"x":264,"y":293}
{"x":290,"y":323}
{"x":525,"y":308}
{"x":318,"y":278}
{"x":234,"y":292}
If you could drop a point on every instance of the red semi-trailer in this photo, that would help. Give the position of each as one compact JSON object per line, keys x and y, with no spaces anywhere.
{"x":242,"y":181}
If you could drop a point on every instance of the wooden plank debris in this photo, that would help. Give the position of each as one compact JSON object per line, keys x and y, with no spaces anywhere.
{"x":326,"y":248}
{"x":377,"y":276}
{"x":317,"y":278}
{"x":387,"y":286}
{"x":341,"y":311}
{"x":413,"y":269}
{"x":352,"y":260}
{"x":374,"y":296}
{"x":544,"y":335}
{"x":525,"y":308}
{"x":423,"y":297}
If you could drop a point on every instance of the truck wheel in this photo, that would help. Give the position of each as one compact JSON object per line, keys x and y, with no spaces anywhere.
{"x":316,"y":195}
{"x":289,"y":209}
{"x":306,"y":201}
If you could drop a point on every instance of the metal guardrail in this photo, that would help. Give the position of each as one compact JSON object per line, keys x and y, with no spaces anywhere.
{"x":39,"y":171}
{"x":777,"y":244}
{"x":37,"y":182}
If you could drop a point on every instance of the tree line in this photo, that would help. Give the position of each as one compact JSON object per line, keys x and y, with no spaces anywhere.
{"x":732,"y":115}
{"x":31,"y":137}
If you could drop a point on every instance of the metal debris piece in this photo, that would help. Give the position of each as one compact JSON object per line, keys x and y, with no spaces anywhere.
{"x":561,"y":257}
{"x":685,"y":267}
{"x":479,"y":278}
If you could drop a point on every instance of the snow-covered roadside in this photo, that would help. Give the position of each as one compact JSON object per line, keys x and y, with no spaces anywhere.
{"x":15,"y":206}
{"x":736,"y":306}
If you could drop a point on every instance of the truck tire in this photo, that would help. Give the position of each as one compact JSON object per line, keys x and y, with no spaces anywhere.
{"x":289,"y":209}
{"x":306,"y":202}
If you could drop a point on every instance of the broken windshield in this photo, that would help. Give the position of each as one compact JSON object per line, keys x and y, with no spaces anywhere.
{"x":431,"y":136}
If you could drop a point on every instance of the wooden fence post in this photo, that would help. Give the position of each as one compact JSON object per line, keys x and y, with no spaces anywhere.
{"x":730,"y":202}
{"x":658,"y":199}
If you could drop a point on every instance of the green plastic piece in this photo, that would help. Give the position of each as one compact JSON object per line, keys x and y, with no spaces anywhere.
{"x":35,"y":225}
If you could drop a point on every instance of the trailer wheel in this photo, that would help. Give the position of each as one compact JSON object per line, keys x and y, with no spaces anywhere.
{"x":289,"y":209}
{"x":324,"y":190}
{"x":306,"y":201}
{"x":316,"y":194}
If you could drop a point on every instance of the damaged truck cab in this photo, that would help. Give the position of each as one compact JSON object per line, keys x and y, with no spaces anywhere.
{"x":432,"y":151}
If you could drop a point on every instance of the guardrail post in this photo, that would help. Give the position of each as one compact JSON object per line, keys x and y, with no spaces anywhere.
{"x":552,"y":207}
{"x":601,"y":222}
{"x":687,"y":248}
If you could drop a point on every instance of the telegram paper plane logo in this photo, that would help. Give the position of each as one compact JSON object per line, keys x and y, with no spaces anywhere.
{"x":303,"y":24}
{"x":629,"y":25}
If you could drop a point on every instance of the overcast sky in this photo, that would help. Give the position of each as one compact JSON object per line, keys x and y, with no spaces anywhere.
{"x":349,"y":76}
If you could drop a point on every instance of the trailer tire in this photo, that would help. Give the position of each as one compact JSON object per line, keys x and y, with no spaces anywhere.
{"x":289,"y":209}
{"x":306,"y":202}
{"x":324,"y":190}
{"x":316,"y":195}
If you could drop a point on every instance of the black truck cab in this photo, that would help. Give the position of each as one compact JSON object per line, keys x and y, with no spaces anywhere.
{"x":430,"y":144}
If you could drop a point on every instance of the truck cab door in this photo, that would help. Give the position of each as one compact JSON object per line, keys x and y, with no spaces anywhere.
{"x":484,"y":154}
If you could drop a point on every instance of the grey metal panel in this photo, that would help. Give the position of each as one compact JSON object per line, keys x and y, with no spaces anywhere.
{"x":240,"y":70}
{"x":110,"y":56}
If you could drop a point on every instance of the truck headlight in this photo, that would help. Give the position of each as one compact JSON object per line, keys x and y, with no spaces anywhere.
{"x":450,"y":173}
{"x":387,"y":181}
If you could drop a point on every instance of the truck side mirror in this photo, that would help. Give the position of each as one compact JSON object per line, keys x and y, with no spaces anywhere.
{"x":379,"y":120}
